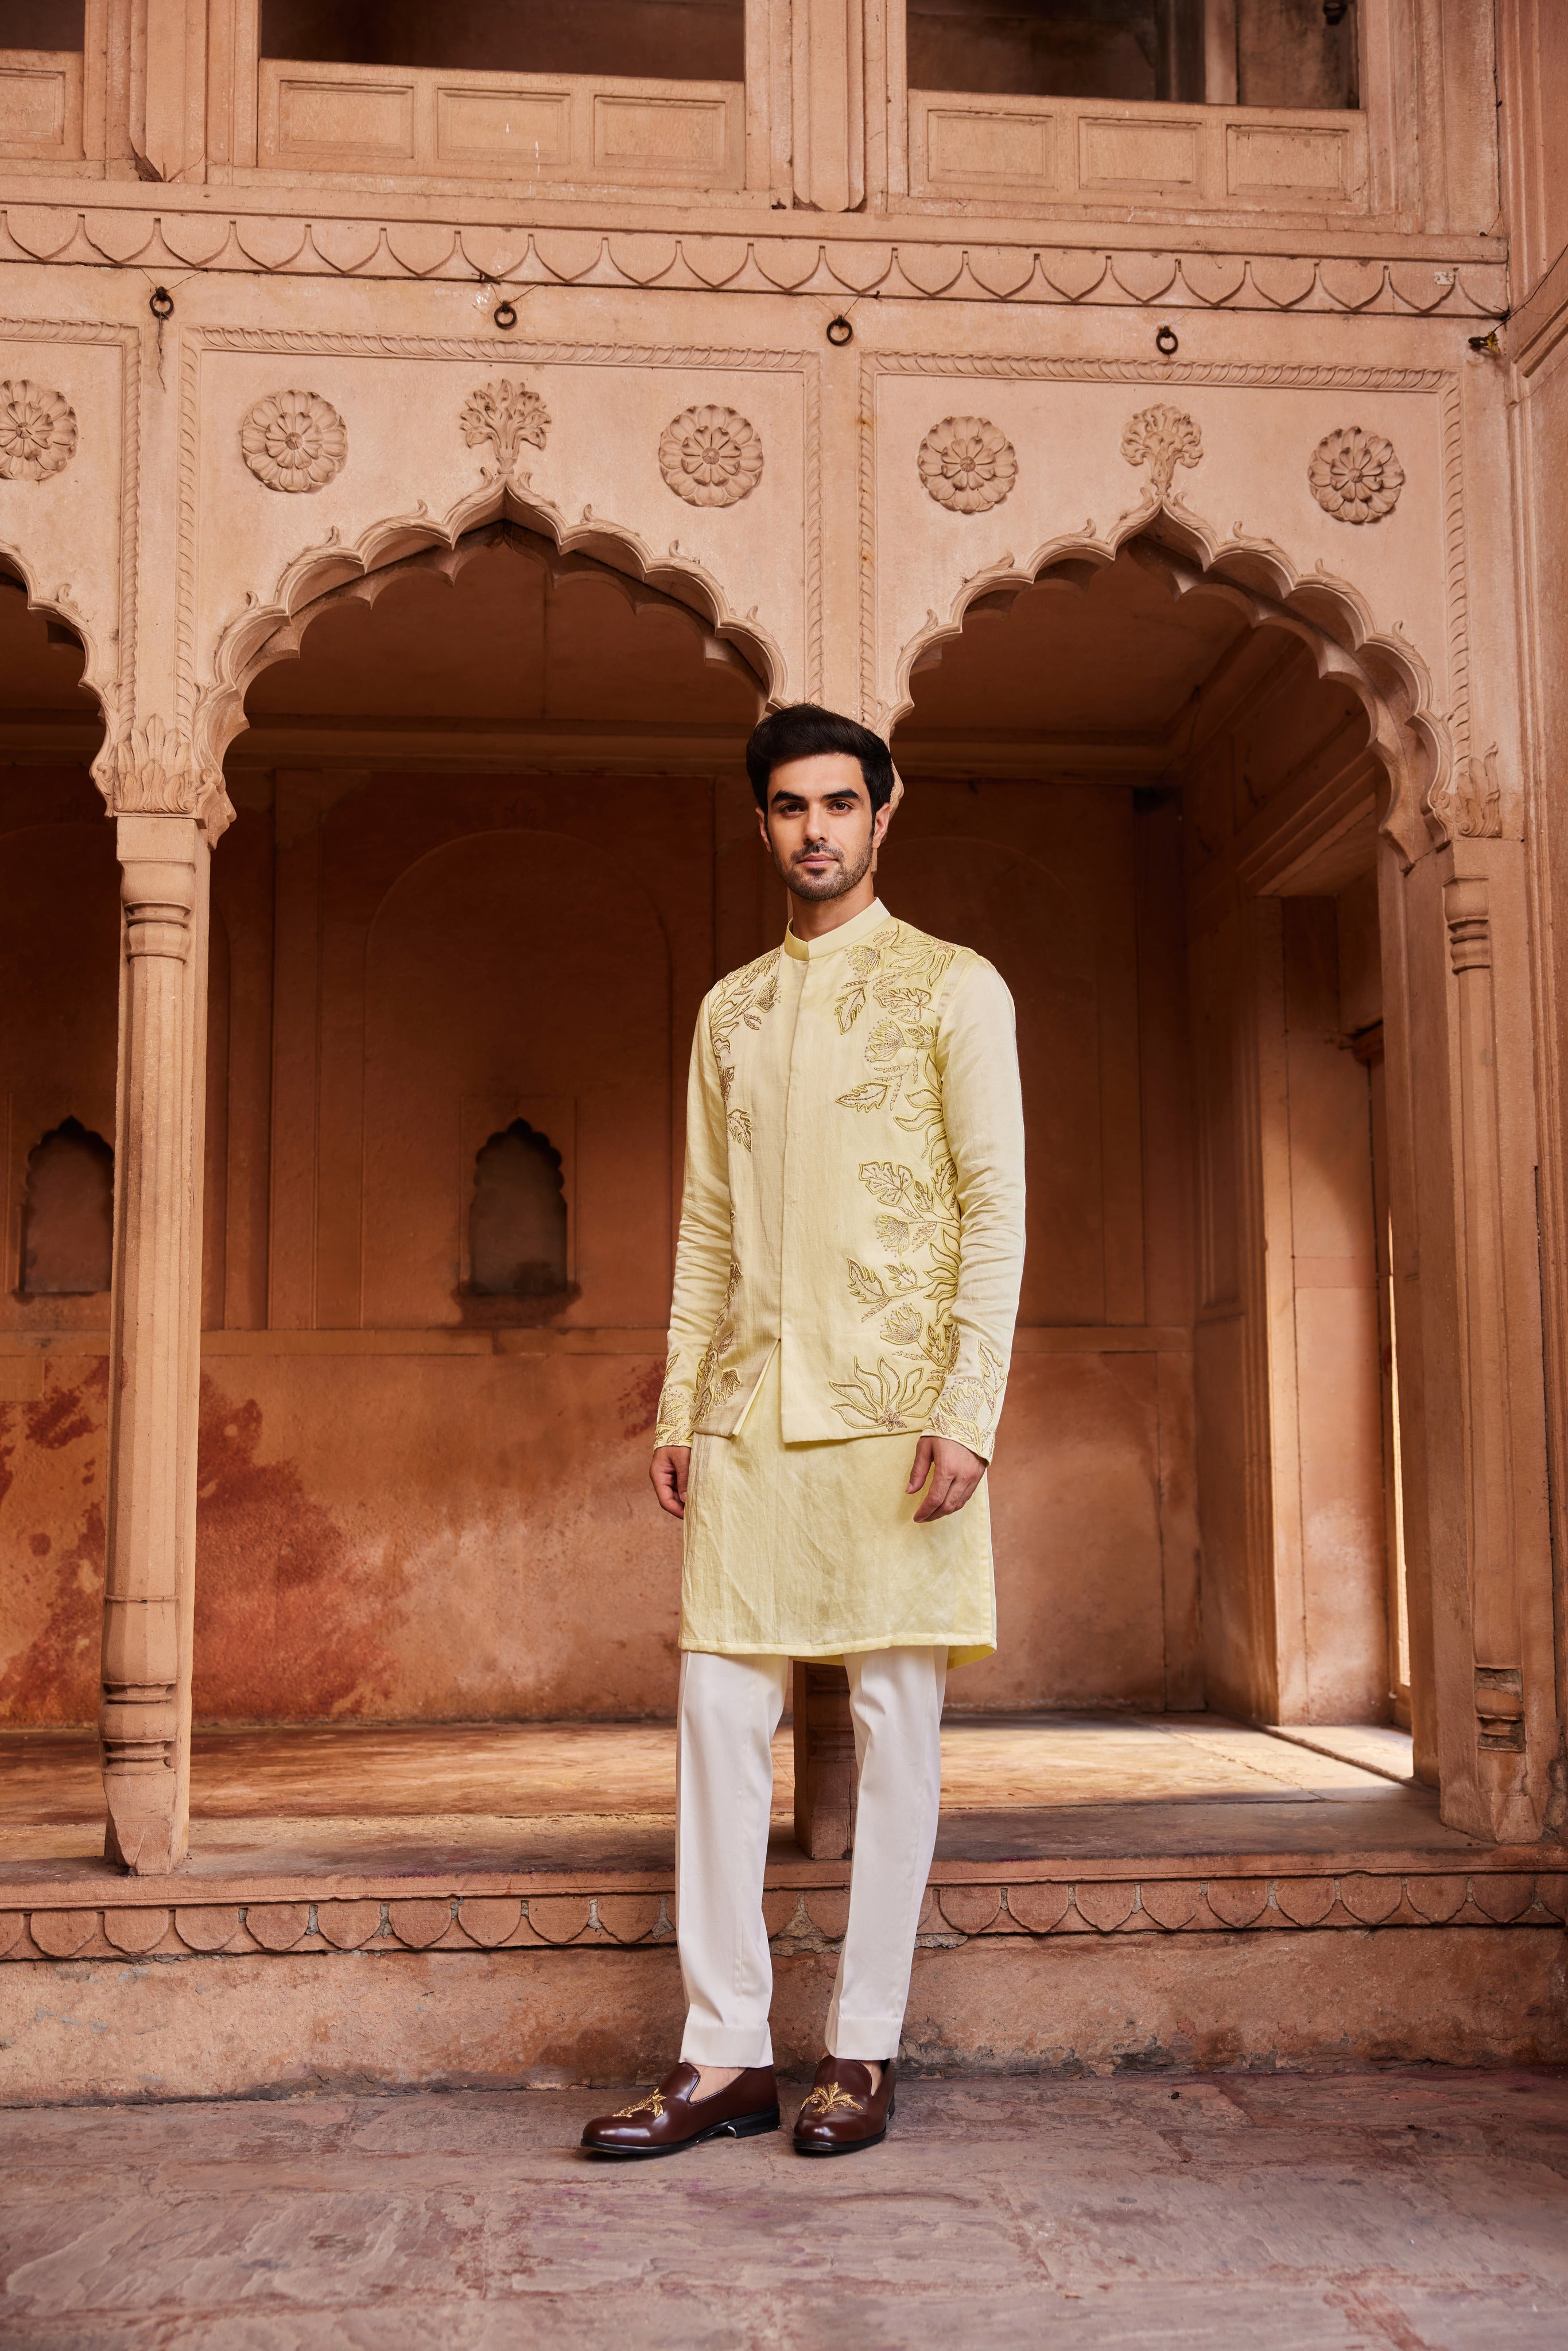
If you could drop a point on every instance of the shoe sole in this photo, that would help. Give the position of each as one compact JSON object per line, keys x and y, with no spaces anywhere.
{"x":845,"y":2146}
{"x":743,"y":2126}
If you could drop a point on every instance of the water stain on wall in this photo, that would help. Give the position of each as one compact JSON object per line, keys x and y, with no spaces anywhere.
{"x":638,"y":1404}
{"x":51,"y":1463}
{"x":286,"y":1613}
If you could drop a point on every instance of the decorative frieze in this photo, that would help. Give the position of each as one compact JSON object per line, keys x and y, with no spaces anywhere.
{"x":294,"y":441}
{"x":812,"y":1918}
{"x":934,"y":267}
{"x":37,"y":432}
{"x":710,"y":456}
{"x":1356,"y":476}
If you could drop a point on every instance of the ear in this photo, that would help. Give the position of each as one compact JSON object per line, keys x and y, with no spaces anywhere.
{"x":762,"y":822}
{"x":884,"y":814}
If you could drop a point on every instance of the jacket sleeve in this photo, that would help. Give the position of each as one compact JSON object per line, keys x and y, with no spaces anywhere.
{"x":704,"y":1246}
{"x":982,"y":1110}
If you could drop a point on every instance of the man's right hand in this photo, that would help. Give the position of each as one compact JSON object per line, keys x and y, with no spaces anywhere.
{"x":672,"y":1468}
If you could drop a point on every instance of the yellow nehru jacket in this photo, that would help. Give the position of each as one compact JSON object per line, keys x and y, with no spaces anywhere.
{"x":848,"y":1266}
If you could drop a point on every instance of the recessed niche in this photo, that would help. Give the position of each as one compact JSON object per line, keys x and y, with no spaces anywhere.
{"x":517,"y":1222}
{"x":67,"y":1214}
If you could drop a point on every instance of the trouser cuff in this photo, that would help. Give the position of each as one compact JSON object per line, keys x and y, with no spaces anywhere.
{"x":872,"y":2038}
{"x":719,"y":2044}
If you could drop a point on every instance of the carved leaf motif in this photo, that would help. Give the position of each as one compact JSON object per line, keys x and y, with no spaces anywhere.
{"x":37,"y":432}
{"x":508,"y":415}
{"x":1470,"y":807}
{"x":967,"y":464}
{"x":151,"y":771}
{"x":1162,"y":438}
{"x":1356,"y":476}
{"x":294,"y":441}
{"x":710,"y":456}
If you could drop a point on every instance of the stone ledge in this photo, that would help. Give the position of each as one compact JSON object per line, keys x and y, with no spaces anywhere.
{"x":812,"y":1918}
{"x":1066,"y":2005}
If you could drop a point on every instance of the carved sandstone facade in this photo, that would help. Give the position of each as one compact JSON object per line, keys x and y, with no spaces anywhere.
{"x":435,"y":468}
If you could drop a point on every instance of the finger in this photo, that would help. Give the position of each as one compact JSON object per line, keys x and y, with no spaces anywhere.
{"x":924,"y":1456}
{"x":682,"y":1467}
{"x":934,"y":1506}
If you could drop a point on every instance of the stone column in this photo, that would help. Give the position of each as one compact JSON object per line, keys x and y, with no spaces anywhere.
{"x":826,"y":1775}
{"x":155,"y":1365}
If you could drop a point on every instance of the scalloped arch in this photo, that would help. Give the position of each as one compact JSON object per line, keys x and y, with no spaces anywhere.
{"x":100,"y":675}
{"x":263,"y":633}
{"x":1410,"y":739}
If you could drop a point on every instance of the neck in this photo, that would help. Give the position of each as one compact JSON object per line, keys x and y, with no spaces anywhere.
{"x":813,"y":918}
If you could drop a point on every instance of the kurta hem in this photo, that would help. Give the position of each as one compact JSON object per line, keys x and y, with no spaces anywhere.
{"x":962,"y":1649}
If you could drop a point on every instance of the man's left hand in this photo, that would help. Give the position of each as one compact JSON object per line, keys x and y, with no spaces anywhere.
{"x":954,"y":1471}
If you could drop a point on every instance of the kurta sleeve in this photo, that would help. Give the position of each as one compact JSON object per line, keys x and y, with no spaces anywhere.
{"x":982,"y":1110}
{"x":703,"y":1247}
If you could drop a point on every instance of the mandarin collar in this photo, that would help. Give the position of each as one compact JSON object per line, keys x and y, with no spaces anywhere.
{"x":847,"y":934}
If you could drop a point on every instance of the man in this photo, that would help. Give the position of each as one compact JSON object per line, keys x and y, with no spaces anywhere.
{"x":846,"y":1285}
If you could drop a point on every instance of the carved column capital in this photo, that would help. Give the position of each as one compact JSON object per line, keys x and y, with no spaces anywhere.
{"x":151,"y":770}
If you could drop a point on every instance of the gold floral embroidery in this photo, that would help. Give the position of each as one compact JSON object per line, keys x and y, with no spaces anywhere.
{"x":912,"y":1294}
{"x":886,"y":1399}
{"x":967,"y":1408}
{"x":715,"y":1387}
{"x":830,"y":2098}
{"x":653,"y":2104}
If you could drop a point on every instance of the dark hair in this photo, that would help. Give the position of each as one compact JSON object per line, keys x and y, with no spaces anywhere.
{"x":805,"y":729}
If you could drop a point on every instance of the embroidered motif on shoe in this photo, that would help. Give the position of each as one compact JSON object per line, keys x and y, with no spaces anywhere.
{"x":653,"y":2104}
{"x":831,"y":2100}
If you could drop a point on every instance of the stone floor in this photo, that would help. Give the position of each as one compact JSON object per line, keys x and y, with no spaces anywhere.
{"x":301,"y":1802}
{"x":1416,"y":2210}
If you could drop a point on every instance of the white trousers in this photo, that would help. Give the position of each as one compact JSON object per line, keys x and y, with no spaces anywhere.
{"x":729,"y":1711}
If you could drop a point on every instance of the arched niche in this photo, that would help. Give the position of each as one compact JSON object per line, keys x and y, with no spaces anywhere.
{"x":67,"y":1214}
{"x":515,"y":975}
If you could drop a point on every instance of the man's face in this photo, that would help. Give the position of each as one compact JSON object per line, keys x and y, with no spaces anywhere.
{"x":818,"y":824}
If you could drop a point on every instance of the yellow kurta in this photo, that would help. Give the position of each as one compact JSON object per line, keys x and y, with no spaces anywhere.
{"x":851,"y":1247}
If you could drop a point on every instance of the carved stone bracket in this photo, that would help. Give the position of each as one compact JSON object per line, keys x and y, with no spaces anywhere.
{"x":152,"y":770}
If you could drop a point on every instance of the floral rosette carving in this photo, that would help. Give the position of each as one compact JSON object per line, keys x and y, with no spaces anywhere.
{"x":711,"y":456}
{"x":1356,"y":476}
{"x":37,"y":432}
{"x":967,"y":464}
{"x":1162,"y":438}
{"x":509,"y":417}
{"x":294,"y":441}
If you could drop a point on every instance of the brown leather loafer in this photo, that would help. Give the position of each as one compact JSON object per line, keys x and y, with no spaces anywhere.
{"x":842,"y":2113}
{"x":669,"y":2118}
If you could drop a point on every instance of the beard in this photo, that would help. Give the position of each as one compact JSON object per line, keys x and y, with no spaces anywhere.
{"x":842,"y":877}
